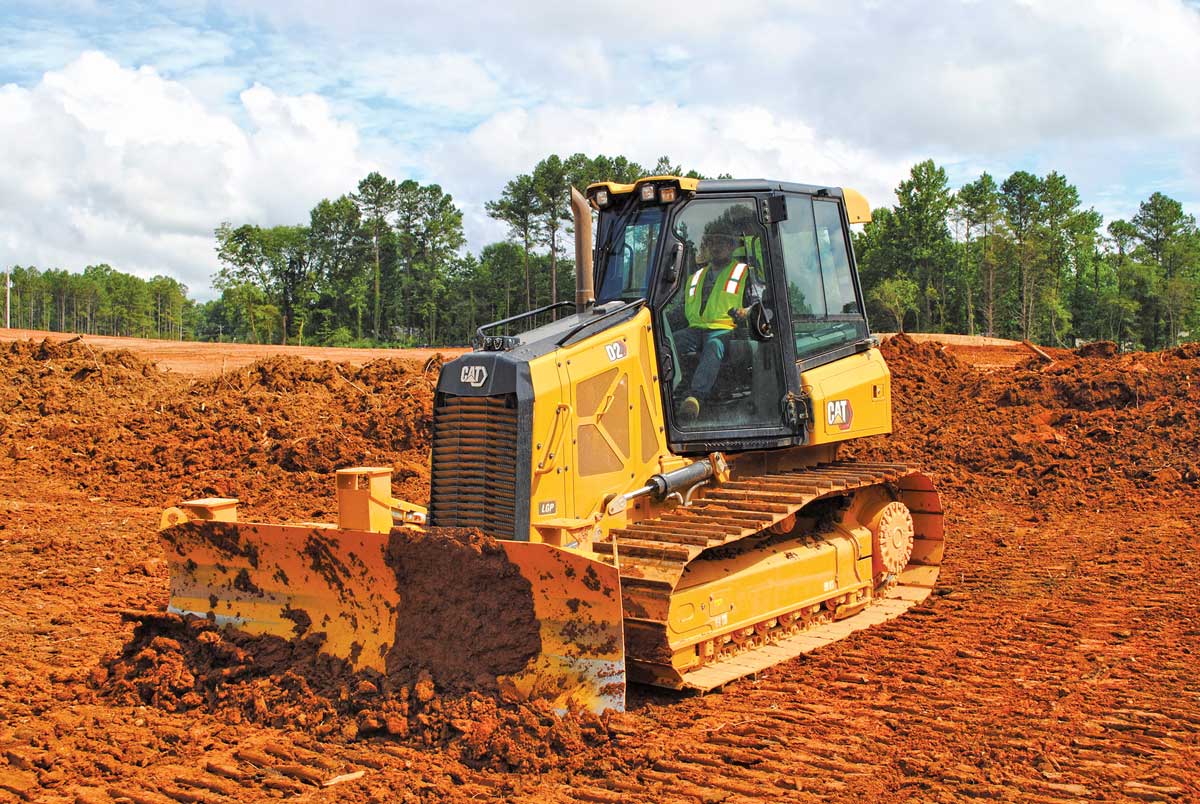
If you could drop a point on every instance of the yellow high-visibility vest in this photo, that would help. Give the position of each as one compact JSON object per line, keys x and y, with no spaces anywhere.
{"x":726,"y":294}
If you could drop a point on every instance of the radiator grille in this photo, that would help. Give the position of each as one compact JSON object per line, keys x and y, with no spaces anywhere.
{"x":475,"y":463}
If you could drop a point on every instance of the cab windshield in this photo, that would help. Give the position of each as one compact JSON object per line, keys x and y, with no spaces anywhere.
{"x":630,"y":244}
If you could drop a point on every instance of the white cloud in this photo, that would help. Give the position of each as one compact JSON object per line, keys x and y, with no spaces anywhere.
{"x":109,"y":164}
{"x":746,"y":141}
{"x":452,"y":81}
{"x":990,"y":74}
{"x":1006,"y":75}
{"x":296,"y":154}
{"x":253,"y":110}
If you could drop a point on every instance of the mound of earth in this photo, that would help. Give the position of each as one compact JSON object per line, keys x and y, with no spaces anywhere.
{"x":269,"y":434}
{"x":1089,"y":428}
{"x":179,"y":664}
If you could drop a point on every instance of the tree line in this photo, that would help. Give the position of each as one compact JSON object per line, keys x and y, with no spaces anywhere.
{"x":385,"y":264}
{"x":1023,"y":259}
{"x":100,"y":301}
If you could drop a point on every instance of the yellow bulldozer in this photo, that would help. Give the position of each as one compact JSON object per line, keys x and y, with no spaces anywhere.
{"x":657,"y":469}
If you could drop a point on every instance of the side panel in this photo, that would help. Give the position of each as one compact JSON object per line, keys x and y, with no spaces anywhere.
{"x":613,"y":419}
{"x":716,"y":597}
{"x":851,"y":397}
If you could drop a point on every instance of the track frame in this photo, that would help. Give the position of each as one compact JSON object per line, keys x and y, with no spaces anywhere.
{"x":653,"y":555}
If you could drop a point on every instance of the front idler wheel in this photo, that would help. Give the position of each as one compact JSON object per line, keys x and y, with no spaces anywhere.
{"x":892,"y":535}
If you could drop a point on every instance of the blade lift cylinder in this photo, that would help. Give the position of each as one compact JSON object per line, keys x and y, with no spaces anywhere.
{"x":678,"y":483}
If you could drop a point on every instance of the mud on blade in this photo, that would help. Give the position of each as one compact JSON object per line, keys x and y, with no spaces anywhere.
{"x":530,"y":621}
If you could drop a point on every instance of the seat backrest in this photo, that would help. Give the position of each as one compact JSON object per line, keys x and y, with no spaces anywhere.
{"x":750,"y":251}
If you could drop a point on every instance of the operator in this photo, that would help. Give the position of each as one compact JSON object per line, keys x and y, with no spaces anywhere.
{"x":713,"y":306}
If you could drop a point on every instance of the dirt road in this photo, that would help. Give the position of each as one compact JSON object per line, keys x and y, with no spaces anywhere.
{"x":207,"y":359}
{"x":1056,"y":663}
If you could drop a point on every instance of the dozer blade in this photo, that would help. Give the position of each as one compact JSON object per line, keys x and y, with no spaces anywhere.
{"x":577,"y":602}
{"x":288,"y":581}
{"x":543,"y":622}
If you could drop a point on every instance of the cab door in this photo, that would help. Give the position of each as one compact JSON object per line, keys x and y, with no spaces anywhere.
{"x":725,"y":371}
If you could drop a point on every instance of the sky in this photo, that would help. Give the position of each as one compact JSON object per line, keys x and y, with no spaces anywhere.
{"x":130,"y":130}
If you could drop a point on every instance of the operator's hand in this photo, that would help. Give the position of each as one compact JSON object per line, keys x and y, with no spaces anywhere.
{"x":738,"y":314}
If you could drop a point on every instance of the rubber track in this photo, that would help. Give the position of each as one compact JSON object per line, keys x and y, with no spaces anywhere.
{"x":653,"y":554}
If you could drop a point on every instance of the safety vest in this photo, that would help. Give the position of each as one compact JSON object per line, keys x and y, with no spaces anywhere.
{"x":726,"y":293}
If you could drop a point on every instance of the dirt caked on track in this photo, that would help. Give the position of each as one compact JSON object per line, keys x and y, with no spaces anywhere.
{"x":1056,"y":662}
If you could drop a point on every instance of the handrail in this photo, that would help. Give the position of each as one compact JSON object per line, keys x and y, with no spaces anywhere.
{"x":633,"y":305}
{"x":561,"y":413}
{"x":479,"y":333}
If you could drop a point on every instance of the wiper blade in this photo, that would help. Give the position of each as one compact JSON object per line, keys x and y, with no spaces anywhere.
{"x":617,"y":228}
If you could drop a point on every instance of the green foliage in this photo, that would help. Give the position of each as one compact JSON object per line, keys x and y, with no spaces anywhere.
{"x":536,"y":206}
{"x":276,"y":263}
{"x":385,"y":264}
{"x":376,"y":200}
{"x":896,"y":297}
{"x":99,"y":301}
{"x":914,"y":241}
{"x":1026,"y":260}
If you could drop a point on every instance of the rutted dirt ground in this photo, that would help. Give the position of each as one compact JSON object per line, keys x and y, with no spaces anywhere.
{"x":1056,"y":663}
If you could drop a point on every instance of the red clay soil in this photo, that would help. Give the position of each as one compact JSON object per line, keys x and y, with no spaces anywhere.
{"x":442,"y":575}
{"x":1056,"y":663}
{"x":213,"y":359}
{"x":1088,"y":430}
{"x":178,"y":664}
{"x":269,"y":434}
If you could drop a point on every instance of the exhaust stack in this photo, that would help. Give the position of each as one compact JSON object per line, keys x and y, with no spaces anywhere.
{"x":585,"y":292}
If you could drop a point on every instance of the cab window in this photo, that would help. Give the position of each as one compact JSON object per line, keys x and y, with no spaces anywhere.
{"x":840,"y":298}
{"x":627,"y":269}
{"x":825,"y":310}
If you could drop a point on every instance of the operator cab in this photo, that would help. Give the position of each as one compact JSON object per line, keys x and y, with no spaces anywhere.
{"x":749,"y":282}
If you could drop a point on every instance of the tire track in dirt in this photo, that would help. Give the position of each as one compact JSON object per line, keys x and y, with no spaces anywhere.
{"x":1056,"y":663}
{"x":1026,"y":684}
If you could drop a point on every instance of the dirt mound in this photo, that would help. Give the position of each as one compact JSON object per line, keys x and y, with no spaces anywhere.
{"x":1098,"y":349}
{"x":1093,"y":380}
{"x":1081,"y":429}
{"x":1188,"y":351}
{"x":267,"y":434}
{"x":47,"y":379}
{"x":459,"y":581}
{"x":72,"y":353}
{"x":184,"y":663}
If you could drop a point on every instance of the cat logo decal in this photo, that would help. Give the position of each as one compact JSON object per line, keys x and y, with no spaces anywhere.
{"x":838,"y":413}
